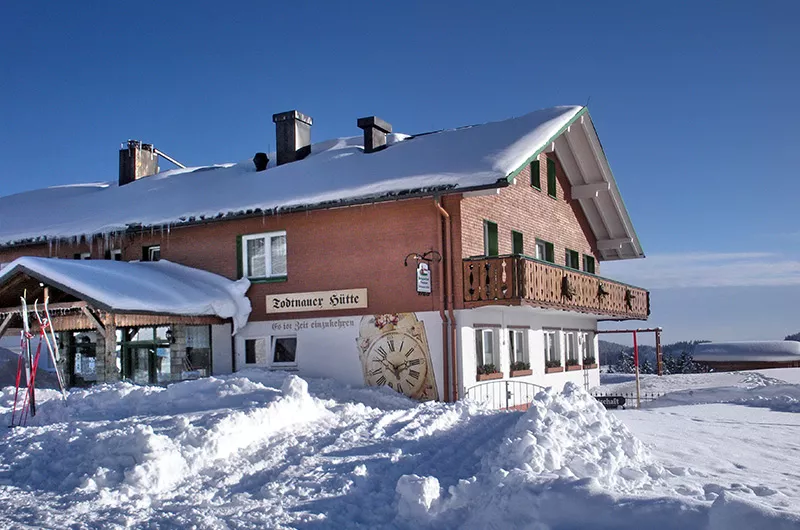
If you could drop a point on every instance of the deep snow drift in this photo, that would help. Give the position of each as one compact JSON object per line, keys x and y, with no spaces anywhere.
{"x":260,"y":449}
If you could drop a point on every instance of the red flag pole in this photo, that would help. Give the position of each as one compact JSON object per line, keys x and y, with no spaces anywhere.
{"x":636,"y":364}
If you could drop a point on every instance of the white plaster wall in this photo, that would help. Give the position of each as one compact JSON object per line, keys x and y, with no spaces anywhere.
{"x":537,"y":320}
{"x":221,"y":349}
{"x":331,"y":351}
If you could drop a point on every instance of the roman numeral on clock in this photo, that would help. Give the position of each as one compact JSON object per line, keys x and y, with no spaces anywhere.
{"x":376,"y":371}
{"x":414,"y":362}
{"x":414,"y":374}
{"x":381,"y":381}
{"x":409,"y":352}
{"x":390,"y":343}
{"x":381,"y":352}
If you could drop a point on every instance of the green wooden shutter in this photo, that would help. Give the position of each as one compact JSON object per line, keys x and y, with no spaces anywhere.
{"x":535,"y":180}
{"x":491,"y":246}
{"x":239,"y":267}
{"x":549,"y":252}
{"x":588,"y":264}
{"x":516,"y":243}
{"x":551,"y":177}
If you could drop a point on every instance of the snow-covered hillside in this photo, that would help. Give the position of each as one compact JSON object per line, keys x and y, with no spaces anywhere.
{"x":260,"y":449}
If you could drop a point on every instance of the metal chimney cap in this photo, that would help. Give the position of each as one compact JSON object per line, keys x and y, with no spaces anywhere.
{"x":292,"y":115}
{"x":376,"y":122}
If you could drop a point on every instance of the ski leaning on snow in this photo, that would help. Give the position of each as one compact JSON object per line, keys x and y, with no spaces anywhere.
{"x":52,"y":347}
{"x":31,"y":363}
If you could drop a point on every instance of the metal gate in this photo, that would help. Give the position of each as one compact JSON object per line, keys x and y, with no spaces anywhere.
{"x":502,"y":394}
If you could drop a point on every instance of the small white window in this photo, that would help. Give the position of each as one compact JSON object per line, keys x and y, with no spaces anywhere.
{"x":284,"y":351}
{"x":570,"y":348}
{"x":518,"y":347}
{"x":116,"y":254}
{"x":264,"y":255}
{"x":485,"y":347}
{"x":255,"y":351}
{"x":552,"y":355}
{"x":541,"y":250}
{"x":83,"y":255}
{"x":586,"y":347}
{"x":151,"y":253}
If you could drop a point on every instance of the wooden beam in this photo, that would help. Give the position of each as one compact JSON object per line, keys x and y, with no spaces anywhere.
{"x":640,"y":330}
{"x":5,"y":324}
{"x":613,"y":244}
{"x":96,"y":321}
{"x":53,"y":307}
{"x":589,"y":191}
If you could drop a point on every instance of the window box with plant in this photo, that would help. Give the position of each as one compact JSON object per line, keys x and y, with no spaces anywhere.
{"x":521,"y":369}
{"x":589,"y":363}
{"x":573,"y":364}
{"x":487,"y":372}
{"x":551,"y":367}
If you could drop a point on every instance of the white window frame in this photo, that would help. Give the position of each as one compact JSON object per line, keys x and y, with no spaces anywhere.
{"x":114,"y":253}
{"x":268,"y":236}
{"x":586,"y":345}
{"x":151,"y":250}
{"x":551,"y":338}
{"x":541,"y":250}
{"x":480,"y":356}
{"x":266,"y":353}
{"x":518,"y":337}
{"x":571,"y":346}
{"x":572,"y":259}
{"x":85,"y":255}
{"x":274,"y":343}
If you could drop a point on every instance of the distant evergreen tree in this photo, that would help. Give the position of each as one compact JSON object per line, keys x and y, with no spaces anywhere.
{"x":796,"y":337}
{"x":646,"y":367}
{"x":625,"y":363}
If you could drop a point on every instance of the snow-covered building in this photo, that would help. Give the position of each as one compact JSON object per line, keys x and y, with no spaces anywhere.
{"x":427,"y":262}
{"x":748,"y":355}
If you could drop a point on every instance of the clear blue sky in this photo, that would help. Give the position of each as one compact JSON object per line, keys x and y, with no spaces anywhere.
{"x":695,"y":102}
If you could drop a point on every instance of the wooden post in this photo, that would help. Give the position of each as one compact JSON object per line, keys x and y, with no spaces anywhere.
{"x":110,"y":371}
{"x":636,"y":362}
{"x":659,"y":355}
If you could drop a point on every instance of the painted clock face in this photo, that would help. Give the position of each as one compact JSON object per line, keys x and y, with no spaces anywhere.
{"x":399,"y":361}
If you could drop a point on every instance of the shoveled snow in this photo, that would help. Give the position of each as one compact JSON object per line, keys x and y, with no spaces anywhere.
{"x":336,"y":170}
{"x":763,"y":351}
{"x":262,"y":449}
{"x":154,"y":287}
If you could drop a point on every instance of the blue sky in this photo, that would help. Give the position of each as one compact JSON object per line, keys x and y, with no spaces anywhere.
{"x":694,"y":103}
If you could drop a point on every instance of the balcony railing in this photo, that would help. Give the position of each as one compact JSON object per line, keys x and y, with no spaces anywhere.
{"x":520,"y":280}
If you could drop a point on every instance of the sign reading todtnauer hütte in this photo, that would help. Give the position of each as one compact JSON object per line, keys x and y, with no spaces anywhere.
{"x":317,"y":301}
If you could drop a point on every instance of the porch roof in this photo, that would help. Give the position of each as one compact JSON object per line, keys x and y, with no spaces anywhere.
{"x":156,"y":288}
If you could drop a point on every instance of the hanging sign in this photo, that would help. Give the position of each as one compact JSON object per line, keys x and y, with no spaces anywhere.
{"x":423,"y":278}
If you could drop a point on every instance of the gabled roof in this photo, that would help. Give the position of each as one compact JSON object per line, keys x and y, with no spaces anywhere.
{"x":158,"y":287}
{"x":337,"y":172}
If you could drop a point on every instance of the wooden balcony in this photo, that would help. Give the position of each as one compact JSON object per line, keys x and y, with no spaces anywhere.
{"x":520,"y":280}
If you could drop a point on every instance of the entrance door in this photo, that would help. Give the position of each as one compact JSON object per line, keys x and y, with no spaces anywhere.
{"x":137,"y":363}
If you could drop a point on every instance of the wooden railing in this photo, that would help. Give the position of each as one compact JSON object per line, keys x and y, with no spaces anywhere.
{"x":523,"y":280}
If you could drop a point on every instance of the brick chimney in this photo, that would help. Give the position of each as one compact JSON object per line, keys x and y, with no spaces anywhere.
{"x":136,"y":161}
{"x":293,"y":136}
{"x":375,"y":131}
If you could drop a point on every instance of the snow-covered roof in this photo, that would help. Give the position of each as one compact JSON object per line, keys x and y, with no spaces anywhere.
{"x":339,"y":172}
{"x":760,"y":351}
{"x":159,"y":287}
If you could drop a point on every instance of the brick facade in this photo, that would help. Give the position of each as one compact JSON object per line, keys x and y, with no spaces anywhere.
{"x":533,"y":213}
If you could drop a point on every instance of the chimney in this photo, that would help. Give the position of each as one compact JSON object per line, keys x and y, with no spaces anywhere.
{"x":375,"y":131}
{"x":136,"y":161}
{"x":293,"y":136}
{"x":261,"y":160}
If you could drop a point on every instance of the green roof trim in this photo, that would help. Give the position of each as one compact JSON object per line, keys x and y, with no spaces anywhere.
{"x":511,"y":176}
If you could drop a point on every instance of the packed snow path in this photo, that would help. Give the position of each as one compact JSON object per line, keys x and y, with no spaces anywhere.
{"x":261,"y":450}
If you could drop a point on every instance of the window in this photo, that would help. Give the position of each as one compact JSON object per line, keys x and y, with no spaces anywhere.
{"x":544,"y":251}
{"x":485,"y":347}
{"x":516,"y":243}
{"x":264,"y":255}
{"x":490,"y":243}
{"x":115,"y":254}
{"x":551,"y":177}
{"x":586,"y":347}
{"x":198,"y":352}
{"x":570,"y":347}
{"x":284,"y":350}
{"x":571,"y":259}
{"x":255,"y":351}
{"x":82,"y":255}
{"x":151,"y":253}
{"x":588,"y":263}
{"x":535,"y":179}
{"x":552,"y":355}
{"x":518,"y":346}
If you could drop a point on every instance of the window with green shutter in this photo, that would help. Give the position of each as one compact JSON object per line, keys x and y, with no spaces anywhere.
{"x":516,"y":243}
{"x":550,"y":253}
{"x":490,"y":242}
{"x":535,"y":179}
{"x":588,"y":263}
{"x":571,"y":259}
{"x":544,"y":250}
{"x":551,"y":177}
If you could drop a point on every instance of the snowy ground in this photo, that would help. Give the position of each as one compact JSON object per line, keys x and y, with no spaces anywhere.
{"x":266,"y":450}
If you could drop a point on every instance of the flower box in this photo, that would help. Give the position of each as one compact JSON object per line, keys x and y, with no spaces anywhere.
{"x":574,"y":367}
{"x":489,"y":377}
{"x":553,"y":369}
{"x":521,"y":373}
{"x":590,"y":366}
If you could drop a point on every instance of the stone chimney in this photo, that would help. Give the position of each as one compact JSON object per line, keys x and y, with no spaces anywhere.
{"x":375,"y":131}
{"x":261,"y":160}
{"x":136,"y":161}
{"x":293,"y":136}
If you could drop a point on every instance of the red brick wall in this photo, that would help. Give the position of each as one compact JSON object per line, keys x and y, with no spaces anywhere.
{"x":534,"y":213}
{"x":342,"y":248}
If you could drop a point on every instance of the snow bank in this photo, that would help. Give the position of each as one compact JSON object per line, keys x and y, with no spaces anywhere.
{"x":154,"y":287}
{"x":763,"y":351}
{"x":730,"y":512}
{"x":336,"y":170}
